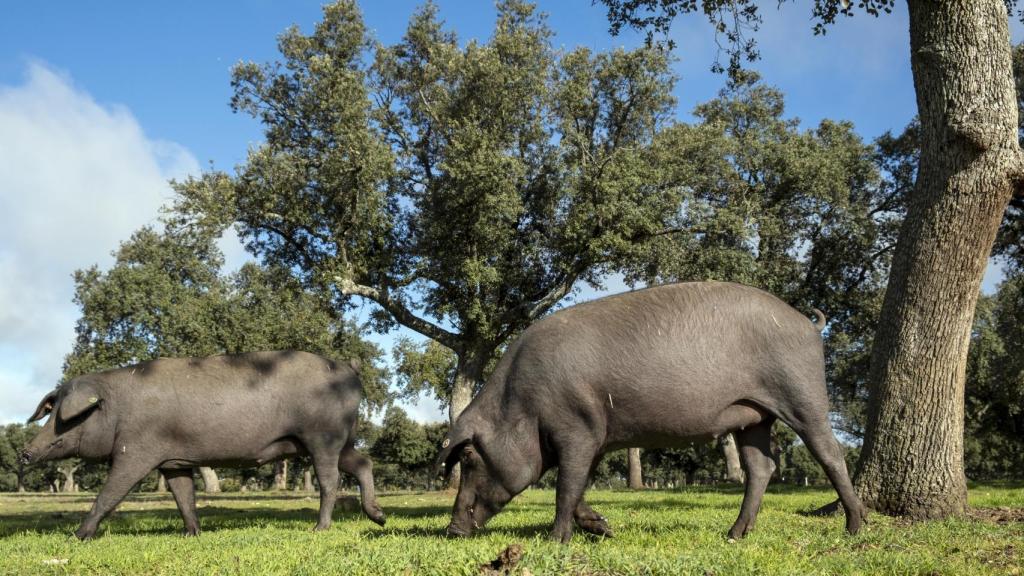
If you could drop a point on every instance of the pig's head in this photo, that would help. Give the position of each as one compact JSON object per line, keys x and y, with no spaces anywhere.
{"x":74,"y":425}
{"x":495,"y":465}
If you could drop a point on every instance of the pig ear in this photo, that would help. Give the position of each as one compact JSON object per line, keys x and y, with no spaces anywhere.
{"x":45,"y":407}
{"x":82,"y":396}
{"x":451,"y":446}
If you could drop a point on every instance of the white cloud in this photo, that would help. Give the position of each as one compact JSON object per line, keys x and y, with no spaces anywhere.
{"x":76,"y":178}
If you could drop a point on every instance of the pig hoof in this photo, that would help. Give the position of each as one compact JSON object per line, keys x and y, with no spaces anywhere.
{"x":562,"y":537}
{"x":739,"y":531}
{"x":321,"y":527}
{"x":454,"y":532}
{"x":190,"y":533}
{"x":595,"y":526}
{"x":377,"y":515}
{"x":84,"y":534}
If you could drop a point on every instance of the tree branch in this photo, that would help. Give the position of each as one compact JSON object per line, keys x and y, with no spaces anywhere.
{"x":399,"y":312}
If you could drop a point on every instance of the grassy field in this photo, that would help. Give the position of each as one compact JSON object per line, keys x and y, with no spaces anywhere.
{"x":657,"y":532}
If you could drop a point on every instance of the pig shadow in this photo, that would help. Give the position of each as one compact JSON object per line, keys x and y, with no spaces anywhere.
{"x":167,"y":521}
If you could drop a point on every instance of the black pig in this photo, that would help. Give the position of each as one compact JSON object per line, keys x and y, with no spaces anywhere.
{"x":659,"y":367}
{"x":174,"y":414}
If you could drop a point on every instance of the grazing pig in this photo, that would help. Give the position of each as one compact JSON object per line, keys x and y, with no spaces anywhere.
{"x":174,"y":414}
{"x":653,"y":368}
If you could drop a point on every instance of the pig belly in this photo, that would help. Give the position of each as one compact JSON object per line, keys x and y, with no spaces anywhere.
{"x":280,"y":448}
{"x":674,"y":428}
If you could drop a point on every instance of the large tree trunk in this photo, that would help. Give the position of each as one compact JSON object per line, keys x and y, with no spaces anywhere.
{"x":636,"y":476}
{"x":468,"y":373}
{"x":912,"y":463}
{"x":210,"y":480}
{"x":281,"y":475}
{"x":733,"y":469}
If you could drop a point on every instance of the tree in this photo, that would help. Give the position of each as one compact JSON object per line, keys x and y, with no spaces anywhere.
{"x":402,"y":449}
{"x":635,"y":469}
{"x":970,"y":168}
{"x":166,"y":296}
{"x":14,"y":475}
{"x":463,"y":190}
{"x":994,"y":448}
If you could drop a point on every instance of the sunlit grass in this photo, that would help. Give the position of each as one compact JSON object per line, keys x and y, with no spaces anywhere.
{"x":657,"y":532}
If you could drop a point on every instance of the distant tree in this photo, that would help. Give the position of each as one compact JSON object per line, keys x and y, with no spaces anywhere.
{"x":465,"y":188}
{"x":14,"y":475}
{"x":994,"y":438}
{"x":402,"y":452}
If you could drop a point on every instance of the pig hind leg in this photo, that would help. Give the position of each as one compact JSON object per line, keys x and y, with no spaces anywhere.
{"x":361,"y":467}
{"x":184,"y":490}
{"x":817,"y":435}
{"x":755,"y":451}
{"x":124,"y":475}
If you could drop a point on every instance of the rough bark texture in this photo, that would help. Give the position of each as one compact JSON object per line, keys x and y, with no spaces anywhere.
{"x":210,"y":481}
{"x":912,"y":463}
{"x":733,"y":469}
{"x":468,"y":373}
{"x":636,"y":477}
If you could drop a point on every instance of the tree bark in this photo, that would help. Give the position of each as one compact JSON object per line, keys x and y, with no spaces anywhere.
{"x":307,"y":479}
{"x":636,"y":477}
{"x":161,"y":482}
{"x":210,"y":481}
{"x":733,"y":469}
{"x":281,"y":475}
{"x":912,"y":462}
{"x":468,"y":373}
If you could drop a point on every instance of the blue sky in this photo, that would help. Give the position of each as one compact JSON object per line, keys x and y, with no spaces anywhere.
{"x":101,"y":103}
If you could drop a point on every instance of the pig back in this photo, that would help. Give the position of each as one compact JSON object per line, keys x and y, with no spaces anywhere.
{"x":244,"y":399}
{"x":669,"y":359}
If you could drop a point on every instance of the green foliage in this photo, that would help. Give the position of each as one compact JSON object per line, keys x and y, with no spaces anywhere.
{"x":465,"y":188}
{"x":403,"y":450}
{"x":165,"y":295}
{"x":424,"y":367}
{"x":656,"y":532}
{"x":733,"y":20}
{"x":13,"y":474}
{"x":994,"y":403}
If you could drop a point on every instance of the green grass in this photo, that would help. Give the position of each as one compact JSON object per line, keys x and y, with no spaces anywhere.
{"x":657,"y":532}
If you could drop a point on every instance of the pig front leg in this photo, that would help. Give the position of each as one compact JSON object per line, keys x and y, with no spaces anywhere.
{"x":576,"y":456}
{"x":183,"y":488}
{"x":755,"y":448}
{"x":124,"y":474}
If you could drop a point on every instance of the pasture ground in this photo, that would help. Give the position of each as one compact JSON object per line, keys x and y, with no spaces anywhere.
{"x":657,"y":532}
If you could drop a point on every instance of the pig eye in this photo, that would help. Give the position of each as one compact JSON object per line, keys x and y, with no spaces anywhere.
{"x":47,"y":408}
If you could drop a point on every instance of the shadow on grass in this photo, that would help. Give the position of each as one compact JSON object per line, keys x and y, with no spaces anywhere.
{"x":211,"y":518}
